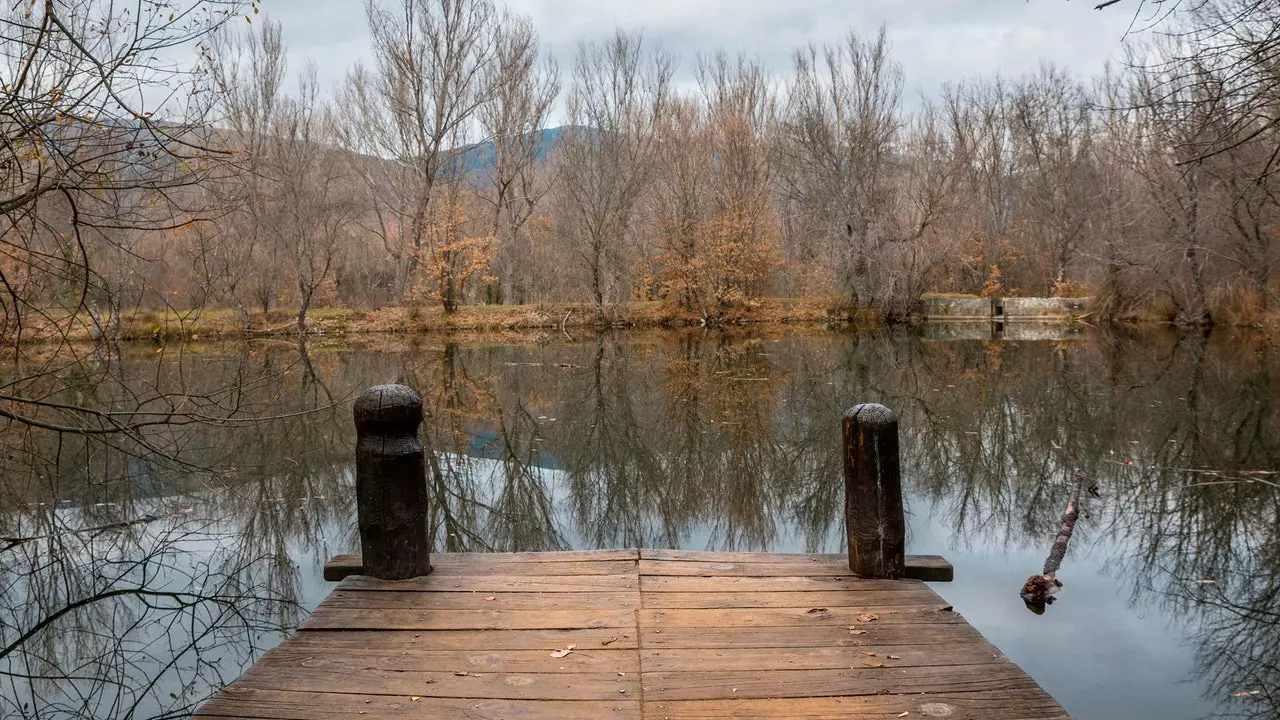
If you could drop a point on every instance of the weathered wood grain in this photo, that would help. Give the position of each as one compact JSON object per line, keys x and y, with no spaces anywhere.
{"x":827,"y":598}
{"x":344,"y":566}
{"x":819,"y":658}
{"x":497,"y":583}
{"x":729,"y":684}
{"x":786,"y":618}
{"x":1010,"y":704}
{"x":415,"y":641}
{"x":336,"y":618}
{"x":239,"y":701}
{"x":583,"y":659}
{"x":745,"y":585}
{"x":869,"y":634}
{"x":373,"y":600}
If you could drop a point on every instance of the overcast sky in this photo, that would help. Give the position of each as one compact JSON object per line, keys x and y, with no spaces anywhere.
{"x":935,"y":40}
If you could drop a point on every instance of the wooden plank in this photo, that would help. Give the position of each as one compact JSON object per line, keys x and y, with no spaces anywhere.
{"x":876,"y":634}
{"x":343,"y":566}
{"x":743,"y":585}
{"x":828,"y":599}
{"x":930,"y":568}
{"x":277,"y":675}
{"x":794,"y":568}
{"x":842,"y":617}
{"x":1005,"y":704}
{"x":738,"y":557}
{"x":580,"y":659}
{"x":239,"y":701}
{"x":535,"y":569}
{"x":496,"y":583}
{"x":410,"y":641}
{"x":483,"y":601}
{"x":334,"y":618}
{"x":748,"y":659}
{"x":723,"y":685}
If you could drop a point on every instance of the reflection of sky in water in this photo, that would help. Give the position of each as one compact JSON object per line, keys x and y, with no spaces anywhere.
{"x":1092,"y":651}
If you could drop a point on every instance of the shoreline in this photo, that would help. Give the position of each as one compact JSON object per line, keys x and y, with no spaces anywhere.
{"x":559,"y":318}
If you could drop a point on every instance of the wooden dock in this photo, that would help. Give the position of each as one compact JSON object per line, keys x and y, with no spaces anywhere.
{"x":653,"y":634}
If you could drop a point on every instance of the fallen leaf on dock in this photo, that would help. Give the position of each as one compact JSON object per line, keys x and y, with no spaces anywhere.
{"x":869,"y":617}
{"x":613,"y":639}
{"x":904,"y":714}
{"x":491,"y":597}
{"x":460,"y":673}
{"x":895,"y":657}
{"x":414,"y":698}
{"x":869,"y":654}
{"x":853,"y":631}
{"x":875,"y":665}
{"x":563,"y":653}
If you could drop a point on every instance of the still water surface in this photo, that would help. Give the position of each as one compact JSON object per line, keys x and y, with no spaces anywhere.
{"x":689,"y":440}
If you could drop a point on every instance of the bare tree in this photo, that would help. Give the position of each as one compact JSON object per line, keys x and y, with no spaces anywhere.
{"x":617,"y":96}
{"x":679,"y":196}
{"x":522,"y":91}
{"x":313,"y":202}
{"x":838,"y":139}
{"x":1170,"y":123}
{"x":249,"y":71}
{"x":1052,"y":133}
{"x":415,"y":110}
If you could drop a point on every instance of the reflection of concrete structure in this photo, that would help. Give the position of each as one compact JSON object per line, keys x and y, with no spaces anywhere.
{"x":958,"y":330}
{"x":997,"y":330}
{"x":1039,"y":331}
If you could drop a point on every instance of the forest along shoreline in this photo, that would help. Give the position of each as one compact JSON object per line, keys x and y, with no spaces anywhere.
{"x":228,"y":324}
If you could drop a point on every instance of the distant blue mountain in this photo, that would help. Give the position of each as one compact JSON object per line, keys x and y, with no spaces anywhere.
{"x":483,"y":156}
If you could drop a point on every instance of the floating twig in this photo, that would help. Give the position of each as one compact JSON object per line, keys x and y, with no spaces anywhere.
{"x":1039,"y":590}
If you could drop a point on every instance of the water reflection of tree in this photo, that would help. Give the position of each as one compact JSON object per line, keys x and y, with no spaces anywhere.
{"x":145,"y":617}
{"x":1169,"y":428}
{"x":707,"y":439}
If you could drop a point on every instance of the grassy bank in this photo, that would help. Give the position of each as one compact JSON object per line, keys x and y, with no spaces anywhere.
{"x":225,"y":324}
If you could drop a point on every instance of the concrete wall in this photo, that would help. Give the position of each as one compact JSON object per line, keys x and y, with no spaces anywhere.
{"x":1009,"y":308}
{"x":1016,"y":308}
{"x":945,"y":307}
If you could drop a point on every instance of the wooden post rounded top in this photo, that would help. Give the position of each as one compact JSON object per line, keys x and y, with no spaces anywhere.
{"x":870,"y":414}
{"x":388,"y":405}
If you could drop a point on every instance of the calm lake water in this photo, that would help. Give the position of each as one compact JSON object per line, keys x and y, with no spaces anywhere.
{"x":1171,"y":605}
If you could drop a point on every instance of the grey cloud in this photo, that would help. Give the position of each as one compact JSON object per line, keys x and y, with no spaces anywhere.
{"x":935,"y":40}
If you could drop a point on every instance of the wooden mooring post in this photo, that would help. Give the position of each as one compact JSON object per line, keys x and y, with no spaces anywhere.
{"x":873,"y":515}
{"x":391,"y":485}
